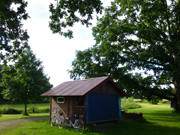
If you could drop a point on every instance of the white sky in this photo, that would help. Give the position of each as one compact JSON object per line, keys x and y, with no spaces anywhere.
{"x":55,"y":51}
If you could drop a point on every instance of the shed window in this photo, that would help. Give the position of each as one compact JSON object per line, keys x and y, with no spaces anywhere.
{"x":60,"y":100}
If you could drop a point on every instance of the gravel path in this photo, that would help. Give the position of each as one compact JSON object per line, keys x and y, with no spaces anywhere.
{"x":12,"y":123}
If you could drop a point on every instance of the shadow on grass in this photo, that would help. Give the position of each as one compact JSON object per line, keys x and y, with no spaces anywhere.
{"x":164,"y":117}
{"x":134,"y":128}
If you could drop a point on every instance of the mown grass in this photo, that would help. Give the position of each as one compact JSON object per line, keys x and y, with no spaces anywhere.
{"x":6,"y":117}
{"x":159,"y":120}
{"x":42,"y":111}
{"x":21,"y":106}
{"x":161,"y":114}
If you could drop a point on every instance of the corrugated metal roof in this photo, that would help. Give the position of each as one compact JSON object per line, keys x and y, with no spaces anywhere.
{"x":75,"y":88}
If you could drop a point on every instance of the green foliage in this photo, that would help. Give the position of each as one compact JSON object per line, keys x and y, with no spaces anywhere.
{"x":155,"y":100}
{"x":44,"y":110}
{"x":164,"y":101}
{"x":13,"y":38}
{"x":10,"y":111}
{"x":137,"y":44}
{"x":24,"y":81}
{"x":129,"y":103}
{"x":19,"y":108}
{"x":65,"y":13}
{"x":34,"y":109}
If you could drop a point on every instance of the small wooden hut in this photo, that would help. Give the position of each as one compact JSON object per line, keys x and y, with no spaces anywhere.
{"x":91,"y":101}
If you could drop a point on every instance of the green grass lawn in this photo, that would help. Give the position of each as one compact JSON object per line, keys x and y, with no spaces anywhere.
{"x":5,"y":117}
{"x":159,"y":120}
{"x":21,"y":106}
{"x":160,"y":114}
{"x":42,"y":108}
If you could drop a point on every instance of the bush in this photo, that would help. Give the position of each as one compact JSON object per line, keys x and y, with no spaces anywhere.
{"x":10,"y":111}
{"x":154,"y":100}
{"x":165,"y":101}
{"x":19,"y":109}
{"x":129,"y":103}
{"x":34,"y":109}
{"x":44,"y":110}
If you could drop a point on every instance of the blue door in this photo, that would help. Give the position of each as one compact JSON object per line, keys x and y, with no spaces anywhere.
{"x":101,"y":107}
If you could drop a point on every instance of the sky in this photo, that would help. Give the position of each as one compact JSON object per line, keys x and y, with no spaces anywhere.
{"x":55,"y":52}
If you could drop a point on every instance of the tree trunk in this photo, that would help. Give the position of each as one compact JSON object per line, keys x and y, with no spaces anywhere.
{"x":177,"y":96}
{"x":176,"y":80}
{"x":25,"y":107}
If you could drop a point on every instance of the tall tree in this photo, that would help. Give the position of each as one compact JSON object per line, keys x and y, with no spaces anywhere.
{"x":25,"y":80}
{"x":13,"y":38}
{"x":137,"y":35}
{"x":65,"y":13}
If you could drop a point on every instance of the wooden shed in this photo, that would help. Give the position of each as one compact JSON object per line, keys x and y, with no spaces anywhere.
{"x":92,"y":100}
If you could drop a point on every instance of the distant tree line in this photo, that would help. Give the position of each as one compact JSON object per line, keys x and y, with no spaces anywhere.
{"x":137,"y":42}
{"x":22,"y":79}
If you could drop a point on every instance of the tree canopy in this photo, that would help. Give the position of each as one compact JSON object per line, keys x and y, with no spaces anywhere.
{"x":65,"y":13}
{"x":13,"y":38}
{"x":138,"y":44}
{"x":24,"y":81}
{"x":137,"y":41}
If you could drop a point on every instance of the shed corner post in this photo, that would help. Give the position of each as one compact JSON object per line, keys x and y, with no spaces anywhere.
{"x":50,"y":112}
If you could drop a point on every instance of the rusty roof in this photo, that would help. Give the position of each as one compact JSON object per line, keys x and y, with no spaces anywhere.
{"x":76,"y":87}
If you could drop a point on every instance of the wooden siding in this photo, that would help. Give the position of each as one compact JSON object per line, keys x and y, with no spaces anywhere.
{"x":79,"y":104}
{"x":106,"y":88}
{"x":64,"y":108}
{"x":69,"y":107}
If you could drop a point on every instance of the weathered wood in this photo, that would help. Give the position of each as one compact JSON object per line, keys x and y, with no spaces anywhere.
{"x":72,"y":111}
{"x":50,"y":106}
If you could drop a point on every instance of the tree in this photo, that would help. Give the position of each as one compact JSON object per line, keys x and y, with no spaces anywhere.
{"x":65,"y":13}
{"x":24,"y":80}
{"x":13,"y":38}
{"x":138,"y":43}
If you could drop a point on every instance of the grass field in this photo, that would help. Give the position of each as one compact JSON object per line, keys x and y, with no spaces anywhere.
{"x":159,"y":120}
{"x":42,"y":108}
{"x":5,"y":117}
{"x":21,"y":106}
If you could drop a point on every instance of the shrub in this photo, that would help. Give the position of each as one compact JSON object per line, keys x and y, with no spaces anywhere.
{"x":10,"y":111}
{"x":154,"y":100}
{"x":44,"y":110}
{"x":165,"y":101}
{"x":33,"y":109}
{"x":129,"y":103}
